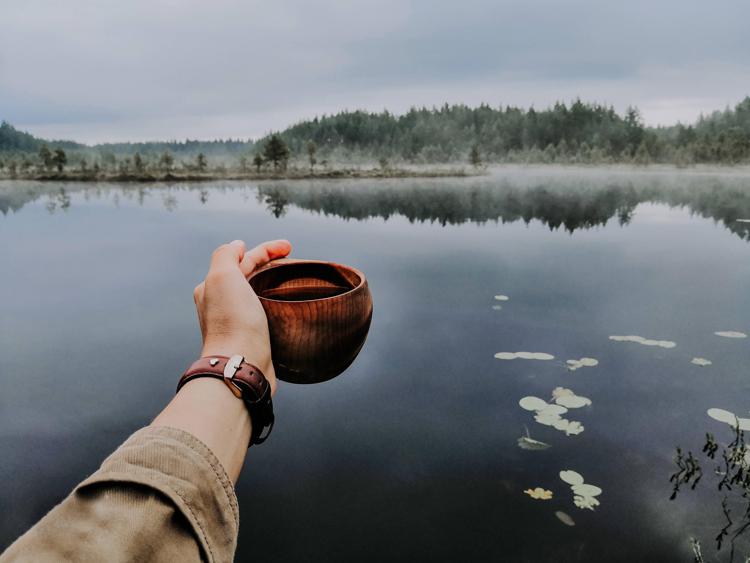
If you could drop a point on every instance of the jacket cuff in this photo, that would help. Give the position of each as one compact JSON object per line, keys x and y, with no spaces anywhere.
{"x":183,"y":469}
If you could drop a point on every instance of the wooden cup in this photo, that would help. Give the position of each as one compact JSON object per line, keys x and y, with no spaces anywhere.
{"x":318,"y":313}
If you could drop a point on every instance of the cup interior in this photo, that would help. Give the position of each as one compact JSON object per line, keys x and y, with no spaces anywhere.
{"x":304,"y":281}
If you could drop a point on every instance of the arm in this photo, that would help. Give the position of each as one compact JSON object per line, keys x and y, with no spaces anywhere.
{"x":232,"y":322}
{"x":166,"y":494}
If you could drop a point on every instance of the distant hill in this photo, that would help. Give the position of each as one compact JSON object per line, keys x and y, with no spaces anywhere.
{"x":578,"y":132}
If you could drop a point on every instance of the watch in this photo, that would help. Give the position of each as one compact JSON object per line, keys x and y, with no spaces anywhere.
{"x":246,"y":382}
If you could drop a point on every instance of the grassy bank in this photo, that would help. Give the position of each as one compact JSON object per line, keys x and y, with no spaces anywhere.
{"x":290,"y":174}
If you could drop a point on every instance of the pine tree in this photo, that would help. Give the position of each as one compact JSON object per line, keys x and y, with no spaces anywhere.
{"x":201,"y":163}
{"x":166,"y":161}
{"x":312,"y":148}
{"x":138,"y":163}
{"x":276,"y":151}
{"x":45,"y":155}
{"x":474,"y":157}
{"x":59,"y":159}
{"x":258,"y":162}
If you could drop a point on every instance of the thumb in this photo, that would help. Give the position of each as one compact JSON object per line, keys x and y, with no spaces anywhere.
{"x":228,"y":255}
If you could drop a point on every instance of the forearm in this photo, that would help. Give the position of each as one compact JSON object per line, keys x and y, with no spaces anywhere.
{"x":207,"y":409}
{"x":161,"y":496}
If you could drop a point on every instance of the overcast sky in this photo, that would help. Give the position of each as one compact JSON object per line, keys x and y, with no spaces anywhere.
{"x":160,"y":69}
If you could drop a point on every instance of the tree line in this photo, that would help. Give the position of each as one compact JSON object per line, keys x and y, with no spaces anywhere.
{"x":575,"y":133}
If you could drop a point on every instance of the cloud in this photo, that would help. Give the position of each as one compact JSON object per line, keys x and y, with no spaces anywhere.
{"x":235,"y":68}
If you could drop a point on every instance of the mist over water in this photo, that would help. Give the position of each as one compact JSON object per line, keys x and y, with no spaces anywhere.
{"x":413,"y":452}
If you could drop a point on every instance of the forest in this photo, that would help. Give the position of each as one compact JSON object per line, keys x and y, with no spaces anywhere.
{"x":577,"y":133}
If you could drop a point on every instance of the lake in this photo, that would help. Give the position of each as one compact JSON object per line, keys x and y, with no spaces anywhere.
{"x":413,"y":453}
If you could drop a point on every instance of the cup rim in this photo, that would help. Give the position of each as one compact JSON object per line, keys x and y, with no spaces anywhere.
{"x":293,"y":261}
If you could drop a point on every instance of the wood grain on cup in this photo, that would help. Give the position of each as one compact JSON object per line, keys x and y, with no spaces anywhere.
{"x":318,"y":313}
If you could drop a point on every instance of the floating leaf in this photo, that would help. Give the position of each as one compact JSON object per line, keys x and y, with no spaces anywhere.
{"x":549,"y":414}
{"x":539,"y":493}
{"x":527,"y":443}
{"x":722,"y":416}
{"x":547,"y":419}
{"x":585,"y":502}
{"x":561,"y":392}
{"x":586,"y":490}
{"x":553,"y":410}
{"x":571,"y":477}
{"x":701,"y":362}
{"x":729,"y":418}
{"x":573,"y":401}
{"x":561,"y":424}
{"x":582,"y":363}
{"x":564,"y":518}
{"x":731,"y":334}
{"x":644,"y":341}
{"x":533,"y":403}
{"x":524,"y":356}
{"x":583,"y":494}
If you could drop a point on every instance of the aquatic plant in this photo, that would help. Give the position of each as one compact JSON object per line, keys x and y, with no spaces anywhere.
{"x":524,"y":356}
{"x":539,"y":493}
{"x":584,"y":494}
{"x":644,"y":341}
{"x":582,"y":363}
{"x":733,"y":472}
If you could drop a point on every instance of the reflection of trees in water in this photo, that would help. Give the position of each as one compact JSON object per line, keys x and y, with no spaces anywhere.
{"x":571,"y":210}
{"x":557,"y":204}
{"x":569,"y":201}
{"x":276,"y":201}
{"x":58,"y":200}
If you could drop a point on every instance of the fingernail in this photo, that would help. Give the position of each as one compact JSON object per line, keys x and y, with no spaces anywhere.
{"x":237,"y":242}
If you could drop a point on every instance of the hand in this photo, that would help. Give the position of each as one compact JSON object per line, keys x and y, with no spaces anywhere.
{"x":231,"y":317}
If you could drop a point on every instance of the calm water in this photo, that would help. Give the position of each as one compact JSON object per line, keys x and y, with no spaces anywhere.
{"x":411,"y":455}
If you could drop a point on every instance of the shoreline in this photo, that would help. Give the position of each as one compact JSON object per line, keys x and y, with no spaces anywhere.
{"x":348,"y":173}
{"x":486,"y":170}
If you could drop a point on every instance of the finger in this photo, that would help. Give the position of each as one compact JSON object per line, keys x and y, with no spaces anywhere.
{"x":228,"y":255}
{"x":263,"y":254}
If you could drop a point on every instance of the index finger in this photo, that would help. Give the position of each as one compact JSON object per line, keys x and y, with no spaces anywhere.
{"x":263,"y":254}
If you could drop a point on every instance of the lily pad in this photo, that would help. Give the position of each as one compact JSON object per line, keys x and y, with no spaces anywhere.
{"x":586,"y":490}
{"x":729,"y":418}
{"x":533,"y":403}
{"x":571,"y":477}
{"x":564,"y":518}
{"x":561,"y":392}
{"x":722,"y":416}
{"x":574,"y":428}
{"x":528,"y":443}
{"x":553,"y":410}
{"x":573,"y":401}
{"x":644,"y":341}
{"x":582,"y":363}
{"x":524,"y":356}
{"x":588,"y":503}
{"x":731,"y":334}
{"x":539,"y":493}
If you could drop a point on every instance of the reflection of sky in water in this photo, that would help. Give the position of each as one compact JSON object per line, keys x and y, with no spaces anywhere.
{"x":414,"y":452}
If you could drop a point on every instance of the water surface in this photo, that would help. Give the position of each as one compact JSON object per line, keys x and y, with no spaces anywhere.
{"x":412,"y":454}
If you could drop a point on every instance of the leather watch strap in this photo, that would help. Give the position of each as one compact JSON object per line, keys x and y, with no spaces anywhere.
{"x":246,"y":382}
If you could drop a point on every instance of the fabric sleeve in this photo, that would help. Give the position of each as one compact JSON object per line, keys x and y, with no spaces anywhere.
{"x":161,"y":496}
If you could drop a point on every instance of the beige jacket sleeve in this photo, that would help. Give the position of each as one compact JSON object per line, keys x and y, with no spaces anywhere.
{"x":161,"y":496}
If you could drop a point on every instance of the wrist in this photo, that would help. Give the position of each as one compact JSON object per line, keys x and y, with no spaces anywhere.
{"x":253,"y":353}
